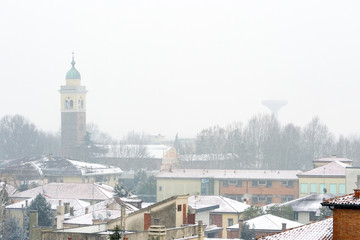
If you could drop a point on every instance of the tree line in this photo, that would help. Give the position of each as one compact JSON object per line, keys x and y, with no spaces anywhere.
{"x":264,"y":143}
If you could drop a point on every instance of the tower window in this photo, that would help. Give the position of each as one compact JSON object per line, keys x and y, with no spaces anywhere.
{"x":66,"y":104}
{"x":71,"y":104}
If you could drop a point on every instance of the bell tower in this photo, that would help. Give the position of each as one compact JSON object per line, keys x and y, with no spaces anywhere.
{"x":73,"y":113}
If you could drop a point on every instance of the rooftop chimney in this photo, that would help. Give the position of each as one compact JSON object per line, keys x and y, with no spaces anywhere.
{"x":241,"y":223}
{"x":283,"y":226}
{"x":357,"y":193}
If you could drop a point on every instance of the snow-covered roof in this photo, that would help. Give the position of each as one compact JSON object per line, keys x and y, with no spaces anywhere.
{"x":308,"y":203}
{"x":268,"y":222}
{"x":333,"y":159}
{"x":349,"y":200}
{"x":58,"y":166}
{"x":87,"y":219}
{"x":207,"y":157}
{"x":322,"y":230}
{"x":226,"y":205}
{"x":136,"y":151}
{"x":230,"y":174}
{"x":84,"y":191}
{"x":94,"y":168}
{"x":332,"y":169}
{"x":75,"y":203}
{"x":103,"y":205}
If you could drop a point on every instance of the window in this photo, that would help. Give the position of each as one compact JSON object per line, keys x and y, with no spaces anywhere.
{"x":312,"y":217}
{"x":313,"y":188}
{"x":288,"y":183}
{"x":342,"y":188}
{"x":230,"y":222}
{"x":237,"y":197}
{"x":71,"y":104}
{"x":287,"y":198}
{"x":323,"y":188}
{"x":160,"y":188}
{"x":262,"y":199}
{"x":225,"y":183}
{"x":333,"y":188}
{"x":268,"y":183}
{"x":239,"y":183}
{"x":232,"y":181}
{"x":262,"y":182}
{"x":296,"y":216}
{"x":179,"y":207}
{"x":304,"y":188}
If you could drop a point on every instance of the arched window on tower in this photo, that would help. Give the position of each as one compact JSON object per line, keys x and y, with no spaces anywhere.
{"x":71,"y":104}
{"x":66,"y":104}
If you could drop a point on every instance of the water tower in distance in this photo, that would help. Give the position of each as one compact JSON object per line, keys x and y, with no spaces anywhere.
{"x":274,"y":105}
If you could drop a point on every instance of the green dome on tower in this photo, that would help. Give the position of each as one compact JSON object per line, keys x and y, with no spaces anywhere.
{"x":73,"y":73}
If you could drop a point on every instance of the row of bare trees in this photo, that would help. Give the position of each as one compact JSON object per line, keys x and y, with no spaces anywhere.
{"x":264,"y":143}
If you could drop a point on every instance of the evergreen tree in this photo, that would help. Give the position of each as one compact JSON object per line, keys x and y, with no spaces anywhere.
{"x":252,"y":212}
{"x":46,"y":215}
{"x":247,"y":233}
{"x":116,"y":235}
{"x":283,"y":211}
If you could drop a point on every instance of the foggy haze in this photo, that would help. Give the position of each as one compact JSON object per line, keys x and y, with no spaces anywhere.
{"x":180,"y":66}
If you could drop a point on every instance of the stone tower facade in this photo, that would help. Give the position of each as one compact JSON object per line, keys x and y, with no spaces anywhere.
{"x":73,"y":113}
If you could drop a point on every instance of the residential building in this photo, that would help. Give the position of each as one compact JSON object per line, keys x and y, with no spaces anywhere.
{"x":321,"y":230}
{"x":352,"y":179}
{"x":346,"y":215}
{"x":18,"y":210}
{"x":216,"y":210}
{"x":134,"y":157}
{"x":48,"y":169}
{"x":263,"y":225}
{"x":323,"y":161}
{"x":89,"y":192}
{"x":256,"y":187}
{"x":329,"y":178}
{"x":307,"y":208}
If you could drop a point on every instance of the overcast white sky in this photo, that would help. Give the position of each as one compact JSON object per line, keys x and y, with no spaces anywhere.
{"x":181,"y":66}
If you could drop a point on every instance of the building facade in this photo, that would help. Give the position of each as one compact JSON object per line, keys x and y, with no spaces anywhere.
{"x":256,"y":187}
{"x":73,"y":113}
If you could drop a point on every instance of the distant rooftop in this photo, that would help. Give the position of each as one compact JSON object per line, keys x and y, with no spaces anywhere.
{"x":332,"y":169}
{"x":225,"y":205}
{"x":309,"y":203}
{"x":268,"y":222}
{"x":230,"y":174}
{"x":83,"y":191}
{"x":321,"y":230}
{"x":343,"y":201}
{"x":333,"y":159}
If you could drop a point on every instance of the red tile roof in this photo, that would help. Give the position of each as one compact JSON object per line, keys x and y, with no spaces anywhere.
{"x":321,"y":230}
{"x":347,"y":201}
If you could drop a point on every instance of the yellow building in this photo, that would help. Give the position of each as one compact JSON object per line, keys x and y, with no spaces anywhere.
{"x":329,"y":178}
{"x":186,"y":181}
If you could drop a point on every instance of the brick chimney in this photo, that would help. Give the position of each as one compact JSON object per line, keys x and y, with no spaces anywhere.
{"x":283,"y":226}
{"x":357,"y":193}
{"x":241,"y":223}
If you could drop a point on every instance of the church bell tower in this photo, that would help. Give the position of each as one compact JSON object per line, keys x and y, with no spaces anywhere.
{"x":73,"y":113}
